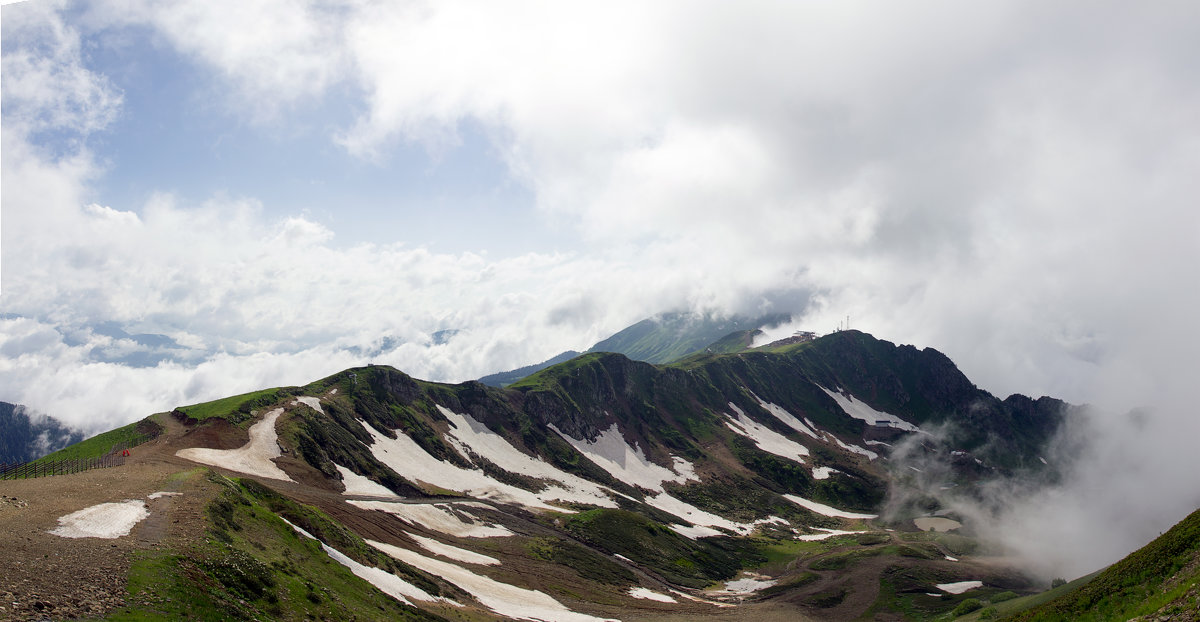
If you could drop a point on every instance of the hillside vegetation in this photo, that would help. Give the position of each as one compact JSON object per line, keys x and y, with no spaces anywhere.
{"x":746,"y":480}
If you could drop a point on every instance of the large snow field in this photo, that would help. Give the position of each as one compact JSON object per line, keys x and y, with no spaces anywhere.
{"x":387,"y":582}
{"x":503,"y":598}
{"x":860,"y":410}
{"x":643,"y":593}
{"x":105,"y":520}
{"x":959,"y":587}
{"x":628,"y":464}
{"x":444,"y":518}
{"x":408,"y":459}
{"x":825,"y":510}
{"x":452,"y":552}
{"x":253,"y":458}
{"x":767,"y":439}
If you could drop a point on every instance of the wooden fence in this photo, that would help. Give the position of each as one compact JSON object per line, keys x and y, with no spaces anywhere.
{"x":45,"y":468}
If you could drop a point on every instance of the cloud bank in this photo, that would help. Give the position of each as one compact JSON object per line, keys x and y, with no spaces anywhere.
{"x":1013,"y":185}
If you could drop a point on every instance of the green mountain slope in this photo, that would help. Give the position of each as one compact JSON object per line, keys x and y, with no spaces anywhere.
{"x":660,"y":339}
{"x":1160,"y":581}
{"x":670,"y":336}
{"x":592,"y":483}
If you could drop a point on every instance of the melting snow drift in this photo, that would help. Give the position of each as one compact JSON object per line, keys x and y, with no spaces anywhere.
{"x":860,"y":410}
{"x":643,"y":593}
{"x":504,"y":599}
{"x":387,"y":582}
{"x":821,"y":508}
{"x":446,"y":518}
{"x":253,"y":458}
{"x":959,"y":587}
{"x":408,"y":459}
{"x":106,"y":520}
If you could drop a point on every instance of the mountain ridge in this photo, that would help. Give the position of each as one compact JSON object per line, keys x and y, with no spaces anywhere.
{"x":690,"y":478}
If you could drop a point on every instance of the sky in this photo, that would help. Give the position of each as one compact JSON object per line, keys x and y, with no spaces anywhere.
{"x":202,"y":198}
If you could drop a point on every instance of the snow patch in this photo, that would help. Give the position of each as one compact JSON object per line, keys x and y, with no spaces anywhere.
{"x":503,"y":454}
{"x":408,"y":459}
{"x":788,"y":418}
{"x":701,"y":600}
{"x":829,"y":533}
{"x":767,"y":439}
{"x":870,"y":455}
{"x":442,"y":517}
{"x":504,"y":599}
{"x":358,"y":485}
{"x":312,"y":402}
{"x":106,"y":520}
{"x":161,"y":494}
{"x":823,"y":472}
{"x":860,"y":410}
{"x":691,"y":532}
{"x":643,"y":593}
{"x":747,"y":585}
{"x":959,"y":587}
{"x":953,"y":559}
{"x":821,"y":508}
{"x":387,"y":582}
{"x":628,"y":464}
{"x":453,"y":552}
{"x":253,"y":458}
{"x":695,"y":515}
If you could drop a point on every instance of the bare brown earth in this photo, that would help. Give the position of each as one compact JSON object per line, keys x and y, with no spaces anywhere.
{"x":46,"y":576}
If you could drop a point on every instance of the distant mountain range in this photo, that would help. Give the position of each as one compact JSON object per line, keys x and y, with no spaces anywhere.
{"x":660,"y":339}
{"x":26,"y":436}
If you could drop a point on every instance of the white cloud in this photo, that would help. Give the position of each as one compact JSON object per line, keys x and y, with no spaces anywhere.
{"x":1008,"y":184}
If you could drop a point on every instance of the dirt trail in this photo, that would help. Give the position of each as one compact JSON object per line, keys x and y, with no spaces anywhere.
{"x":46,"y":576}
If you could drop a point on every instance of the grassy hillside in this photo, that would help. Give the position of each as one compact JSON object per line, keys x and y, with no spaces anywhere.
{"x":253,"y":566}
{"x":674,"y":335}
{"x":1161,"y":581}
{"x":129,"y":435}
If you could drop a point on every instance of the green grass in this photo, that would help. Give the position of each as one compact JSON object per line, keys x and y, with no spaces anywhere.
{"x":235,"y":409}
{"x":128,"y":435}
{"x":1135,"y":585}
{"x":255,"y":567}
{"x":1005,"y":605}
{"x":692,"y":563}
{"x":547,"y":379}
